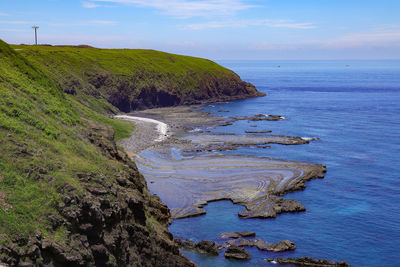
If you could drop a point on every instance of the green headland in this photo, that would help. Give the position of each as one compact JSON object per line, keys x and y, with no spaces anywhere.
{"x":68,"y":194}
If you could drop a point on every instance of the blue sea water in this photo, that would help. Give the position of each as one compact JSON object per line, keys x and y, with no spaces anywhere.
{"x":353,"y":214}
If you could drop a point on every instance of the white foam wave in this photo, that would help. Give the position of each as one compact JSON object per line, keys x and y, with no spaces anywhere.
{"x":280,"y":117}
{"x":309,"y":138}
{"x":195,"y":130}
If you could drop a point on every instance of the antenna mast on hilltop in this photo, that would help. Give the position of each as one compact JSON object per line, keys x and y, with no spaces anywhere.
{"x":35,"y":28}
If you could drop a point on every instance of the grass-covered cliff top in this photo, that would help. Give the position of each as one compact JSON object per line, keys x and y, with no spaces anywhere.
{"x":135,"y":78}
{"x":43,"y":144}
{"x":119,"y":61}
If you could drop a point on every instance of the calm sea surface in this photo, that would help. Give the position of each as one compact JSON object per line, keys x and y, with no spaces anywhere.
{"x":354,"y":213}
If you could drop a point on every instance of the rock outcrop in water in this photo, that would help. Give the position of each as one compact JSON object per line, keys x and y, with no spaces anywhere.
{"x":239,"y":239}
{"x":237,"y":253}
{"x":234,"y":235}
{"x":307,"y":261}
{"x":204,"y":246}
{"x":280,"y":246}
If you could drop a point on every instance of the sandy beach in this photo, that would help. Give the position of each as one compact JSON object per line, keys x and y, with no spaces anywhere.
{"x":148,"y":132}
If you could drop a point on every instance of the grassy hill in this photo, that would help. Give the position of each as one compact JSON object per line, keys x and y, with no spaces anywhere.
{"x":68,"y":196}
{"x":136,"y":79}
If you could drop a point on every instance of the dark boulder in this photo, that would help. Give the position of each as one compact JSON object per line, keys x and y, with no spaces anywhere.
{"x":308,"y":261}
{"x":237,"y":253}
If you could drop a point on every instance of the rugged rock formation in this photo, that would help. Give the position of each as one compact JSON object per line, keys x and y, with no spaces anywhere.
{"x":234,"y":235}
{"x":111,"y":223}
{"x":237,"y":239}
{"x":204,"y":247}
{"x":269,"y":207}
{"x":260,"y":117}
{"x":306,"y":261}
{"x":237,"y":253}
{"x":259,"y":132}
{"x":281,"y":246}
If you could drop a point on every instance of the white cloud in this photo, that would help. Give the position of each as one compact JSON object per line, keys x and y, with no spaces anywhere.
{"x":187,"y":8}
{"x":102,"y":22}
{"x":386,"y":38}
{"x":90,"y":5}
{"x":85,"y":23}
{"x":375,"y":38}
{"x":250,"y":23}
{"x":15,"y":22}
{"x":12,"y":30}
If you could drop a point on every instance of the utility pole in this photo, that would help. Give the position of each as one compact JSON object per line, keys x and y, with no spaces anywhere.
{"x":35,"y":28}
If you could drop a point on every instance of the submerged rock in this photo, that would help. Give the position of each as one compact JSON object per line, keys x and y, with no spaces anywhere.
{"x":260,"y":117}
{"x":307,"y":261}
{"x":280,"y":246}
{"x":229,"y":235}
{"x":266,"y":131}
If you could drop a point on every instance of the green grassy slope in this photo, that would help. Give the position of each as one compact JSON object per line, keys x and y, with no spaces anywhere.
{"x":42,"y":144}
{"x":61,"y":174}
{"x":131,"y":79}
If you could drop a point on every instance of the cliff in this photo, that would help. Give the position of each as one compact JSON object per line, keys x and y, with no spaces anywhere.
{"x":137,"y":79}
{"x":68,"y":195}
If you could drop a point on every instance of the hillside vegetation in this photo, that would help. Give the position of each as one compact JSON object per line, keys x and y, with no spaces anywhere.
{"x":136,"y":79}
{"x":68,"y":196}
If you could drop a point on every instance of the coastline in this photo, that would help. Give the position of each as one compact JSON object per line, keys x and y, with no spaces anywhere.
{"x":187,"y":175}
{"x":185,"y":169}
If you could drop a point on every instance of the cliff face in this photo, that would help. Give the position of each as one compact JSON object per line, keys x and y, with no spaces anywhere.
{"x":68,"y":195}
{"x":138,"y":79}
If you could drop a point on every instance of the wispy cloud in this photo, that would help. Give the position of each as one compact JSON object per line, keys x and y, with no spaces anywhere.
{"x":15,"y":22}
{"x":85,"y":23}
{"x":12,"y":30}
{"x":250,"y":23}
{"x":102,"y":22}
{"x":187,"y":8}
{"x":4,"y":14}
{"x":90,"y":5}
{"x":385,"y":37}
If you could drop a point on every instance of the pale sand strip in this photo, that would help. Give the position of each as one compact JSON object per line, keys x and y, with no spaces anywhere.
{"x":161,"y":127}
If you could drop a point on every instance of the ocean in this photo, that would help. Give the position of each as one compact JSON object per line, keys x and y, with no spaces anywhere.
{"x":353,"y":214}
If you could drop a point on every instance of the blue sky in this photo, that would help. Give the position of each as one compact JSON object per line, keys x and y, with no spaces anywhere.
{"x":215,"y":29}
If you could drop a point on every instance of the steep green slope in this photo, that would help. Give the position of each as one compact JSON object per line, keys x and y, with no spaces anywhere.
{"x":136,"y":79}
{"x":68,"y":196}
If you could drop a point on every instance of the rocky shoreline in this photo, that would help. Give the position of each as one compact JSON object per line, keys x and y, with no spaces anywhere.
{"x":234,"y":239}
{"x":192,"y":147}
{"x":234,"y":247}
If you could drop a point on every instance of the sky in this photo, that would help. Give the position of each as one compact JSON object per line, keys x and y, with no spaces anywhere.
{"x":214,"y":29}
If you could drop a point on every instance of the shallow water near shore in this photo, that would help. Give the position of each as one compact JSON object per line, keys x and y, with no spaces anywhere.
{"x":353,"y":213}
